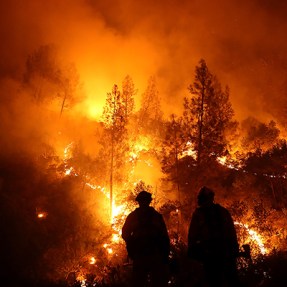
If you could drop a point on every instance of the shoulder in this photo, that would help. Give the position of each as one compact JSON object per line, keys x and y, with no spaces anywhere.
{"x":152,"y":209}
{"x":133,"y":214}
{"x":198,"y":214}
{"x":221,"y":208}
{"x":155,"y":216}
{"x":224,"y":212}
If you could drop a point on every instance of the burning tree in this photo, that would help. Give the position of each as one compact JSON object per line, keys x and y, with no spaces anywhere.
{"x":257,"y":135}
{"x":63,"y":205}
{"x":115,"y":135}
{"x":174,"y":145}
{"x":150,"y":113}
{"x":128,"y":93}
{"x":207,"y":114}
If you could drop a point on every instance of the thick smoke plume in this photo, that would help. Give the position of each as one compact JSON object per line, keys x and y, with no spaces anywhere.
{"x":243,"y":42}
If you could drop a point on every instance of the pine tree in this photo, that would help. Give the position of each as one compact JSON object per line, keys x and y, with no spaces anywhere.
{"x":257,"y":135}
{"x":114,"y":139}
{"x":207,"y":114}
{"x":150,"y":113}
{"x":114,"y":123}
{"x":173,"y":147}
{"x":128,"y":94}
{"x":51,"y":79}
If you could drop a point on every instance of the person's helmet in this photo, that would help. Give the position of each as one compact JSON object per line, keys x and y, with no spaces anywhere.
{"x":205,"y":195}
{"x":144,"y":196}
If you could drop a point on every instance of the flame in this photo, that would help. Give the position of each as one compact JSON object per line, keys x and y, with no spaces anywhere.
{"x":122,"y":210}
{"x":42,"y":215}
{"x":116,"y":238}
{"x":92,"y":260}
{"x":117,"y":209}
{"x":142,"y":144}
{"x":189,"y":151}
{"x":109,"y":249}
{"x":254,"y":236}
{"x":82,"y":280}
{"x":68,"y":171}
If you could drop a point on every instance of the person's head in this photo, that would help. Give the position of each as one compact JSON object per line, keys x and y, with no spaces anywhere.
{"x":144,"y":198}
{"x":205,"y":196}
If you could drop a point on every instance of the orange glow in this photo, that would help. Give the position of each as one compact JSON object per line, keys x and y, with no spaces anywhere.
{"x":92,"y":260}
{"x":254,"y":236}
{"x":106,"y":42}
{"x":109,"y":249}
{"x":41,"y":215}
{"x":116,"y":238}
{"x":189,"y":151}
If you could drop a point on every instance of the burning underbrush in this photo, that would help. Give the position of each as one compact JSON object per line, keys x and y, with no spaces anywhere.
{"x":61,"y":230}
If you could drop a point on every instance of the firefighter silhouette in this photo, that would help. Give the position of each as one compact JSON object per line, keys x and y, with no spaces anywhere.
{"x":212,"y":240}
{"x":147,"y":243}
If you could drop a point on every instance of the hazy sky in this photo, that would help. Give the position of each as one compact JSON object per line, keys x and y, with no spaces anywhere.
{"x":243,"y":42}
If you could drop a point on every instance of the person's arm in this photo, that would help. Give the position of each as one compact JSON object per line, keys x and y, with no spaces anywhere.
{"x":127,"y":228}
{"x":127,"y":235}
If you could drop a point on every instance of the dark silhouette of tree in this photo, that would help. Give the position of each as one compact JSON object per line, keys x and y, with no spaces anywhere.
{"x":173,"y":148}
{"x":269,"y":168}
{"x":41,"y":73}
{"x":114,"y":139}
{"x":128,"y":93}
{"x":51,"y":79}
{"x":150,"y":113}
{"x":257,"y":135}
{"x":207,"y":114}
{"x":69,"y":87}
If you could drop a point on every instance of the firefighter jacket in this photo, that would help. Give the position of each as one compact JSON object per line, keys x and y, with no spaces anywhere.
{"x":145,"y":234}
{"x":212,"y":234}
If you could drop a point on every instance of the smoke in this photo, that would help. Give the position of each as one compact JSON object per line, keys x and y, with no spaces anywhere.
{"x":243,"y":43}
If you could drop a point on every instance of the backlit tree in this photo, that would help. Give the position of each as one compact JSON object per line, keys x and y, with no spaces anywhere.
{"x":128,"y":93}
{"x":114,"y":138}
{"x":51,"y":79}
{"x":207,"y":114}
{"x":150,"y":113}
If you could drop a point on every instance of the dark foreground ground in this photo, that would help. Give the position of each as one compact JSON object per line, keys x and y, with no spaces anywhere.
{"x":268,"y":271}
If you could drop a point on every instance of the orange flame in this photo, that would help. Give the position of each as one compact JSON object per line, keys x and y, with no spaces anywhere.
{"x":254,"y":236}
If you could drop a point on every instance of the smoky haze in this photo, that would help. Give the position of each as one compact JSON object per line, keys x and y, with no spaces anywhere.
{"x":243,"y":43}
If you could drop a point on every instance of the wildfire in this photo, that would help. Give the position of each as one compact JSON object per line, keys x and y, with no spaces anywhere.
{"x":67,"y":151}
{"x":92,"y":260}
{"x":121,"y":211}
{"x":98,"y":187}
{"x":189,"y":151}
{"x":116,"y":210}
{"x":223,"y":161}
{"x":116,"y":238}
{"x":109,"y":249}
{"x":42,"y":215}
{"x":142,"y":144}
{"x":253,"y":236}
{"x":68,"y":171}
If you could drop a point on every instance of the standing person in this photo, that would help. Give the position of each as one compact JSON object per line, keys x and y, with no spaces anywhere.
{"x":147,"y":242}
{"x":212,"y":240}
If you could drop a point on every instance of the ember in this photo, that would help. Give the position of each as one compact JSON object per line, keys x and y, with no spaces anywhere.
{"x":92,"y":260}
{"x":42,"y":215}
